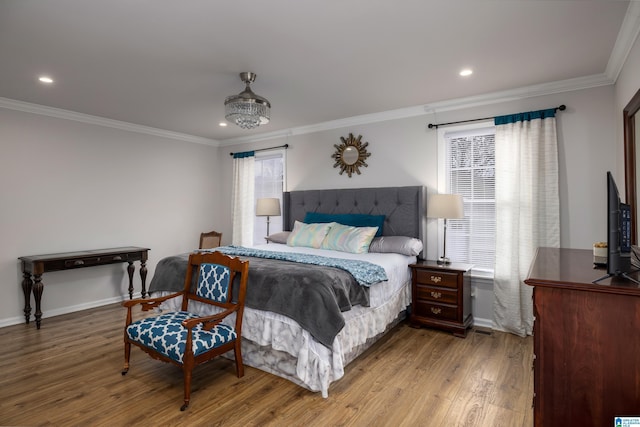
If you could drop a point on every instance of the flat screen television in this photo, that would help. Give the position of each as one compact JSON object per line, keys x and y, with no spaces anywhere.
{"x":618,"y":232}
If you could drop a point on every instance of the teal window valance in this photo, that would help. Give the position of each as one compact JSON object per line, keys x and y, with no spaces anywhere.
{"x":244,"y":154}
{"x":522,"y":117}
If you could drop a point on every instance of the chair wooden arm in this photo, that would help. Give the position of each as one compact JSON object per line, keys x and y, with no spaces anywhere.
{"x":149,"y":303}
{"x":208,"y":322}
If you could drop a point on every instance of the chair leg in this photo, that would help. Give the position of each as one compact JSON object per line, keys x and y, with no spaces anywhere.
{"x":186,"y":370}
{"x":127,"y":354}
{"x":237,"y":352}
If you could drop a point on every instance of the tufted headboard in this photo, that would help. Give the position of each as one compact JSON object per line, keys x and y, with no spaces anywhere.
{"x":402,"y":206}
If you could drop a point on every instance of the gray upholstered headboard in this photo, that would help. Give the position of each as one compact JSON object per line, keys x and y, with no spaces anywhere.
{"x":402,"y":206}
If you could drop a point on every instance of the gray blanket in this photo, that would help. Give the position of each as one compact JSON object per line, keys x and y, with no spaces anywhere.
{"x":314,"y":296}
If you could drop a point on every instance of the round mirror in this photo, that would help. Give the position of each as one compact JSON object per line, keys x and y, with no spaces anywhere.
{"x":350,"y":155}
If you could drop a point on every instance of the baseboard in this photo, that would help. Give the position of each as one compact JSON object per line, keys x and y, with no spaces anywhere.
{"x":483,"y":323}
{"x":66,"y":310}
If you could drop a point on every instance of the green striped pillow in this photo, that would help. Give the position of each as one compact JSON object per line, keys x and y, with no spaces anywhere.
{"x":346,"y":238}
{"x":308,"y":235}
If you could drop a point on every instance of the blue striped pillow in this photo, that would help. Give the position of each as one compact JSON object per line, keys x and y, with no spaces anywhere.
{"x":346,"y":238}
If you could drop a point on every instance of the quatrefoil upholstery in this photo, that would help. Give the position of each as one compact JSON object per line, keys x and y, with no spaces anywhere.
{"x":166,"y":335}
{"x":213,"y":282}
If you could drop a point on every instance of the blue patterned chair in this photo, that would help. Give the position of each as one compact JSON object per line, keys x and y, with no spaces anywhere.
{"x":187,"y":339}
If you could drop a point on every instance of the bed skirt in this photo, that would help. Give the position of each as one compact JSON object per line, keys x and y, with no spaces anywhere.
{"x":277,"y":344}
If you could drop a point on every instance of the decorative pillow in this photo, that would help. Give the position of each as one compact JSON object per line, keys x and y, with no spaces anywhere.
{"x":308,"y":235}
{"x":396,"y":244}
{"x":355,"y":220}
{"x":346,"y":238}
{"x":279,"y":237}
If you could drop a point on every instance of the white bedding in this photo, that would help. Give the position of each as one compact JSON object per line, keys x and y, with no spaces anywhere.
{"x":395,"y":265}
{"x":277,"y":344}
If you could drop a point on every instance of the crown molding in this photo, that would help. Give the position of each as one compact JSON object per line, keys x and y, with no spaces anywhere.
{"x":59,"y":113}
{"x":568,"y":85}
{"x":627,"y":36}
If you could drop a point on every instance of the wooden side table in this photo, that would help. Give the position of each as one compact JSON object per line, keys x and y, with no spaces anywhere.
{"x":34,"y":266}
{"x":441,"y":296}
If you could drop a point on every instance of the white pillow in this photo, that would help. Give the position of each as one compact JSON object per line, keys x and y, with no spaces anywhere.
{"x":308,"y":235}
{"x":346,"y":238}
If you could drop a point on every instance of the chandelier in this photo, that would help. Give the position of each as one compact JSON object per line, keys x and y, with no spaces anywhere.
{"x":247,"y":109}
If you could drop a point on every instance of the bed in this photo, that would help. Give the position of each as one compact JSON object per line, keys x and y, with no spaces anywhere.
{"x":274,"y":342}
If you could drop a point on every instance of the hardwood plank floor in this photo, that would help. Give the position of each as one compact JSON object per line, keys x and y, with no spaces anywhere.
{"x":68,"y":373}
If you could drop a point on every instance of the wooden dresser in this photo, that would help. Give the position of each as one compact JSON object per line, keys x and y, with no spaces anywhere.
{"x":586,"y":341}
{"x":441,"y":296}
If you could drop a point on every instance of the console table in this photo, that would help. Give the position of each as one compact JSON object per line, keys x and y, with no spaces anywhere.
{"x":585,"y":339}
{"x":37,"y":265}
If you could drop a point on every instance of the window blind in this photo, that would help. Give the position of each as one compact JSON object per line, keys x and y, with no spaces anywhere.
{"x":470,"y":171}
{"x":269,"y":178}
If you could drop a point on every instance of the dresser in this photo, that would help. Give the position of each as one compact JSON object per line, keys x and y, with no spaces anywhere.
{"x":586,"y":341}
{"x":441,"y":296}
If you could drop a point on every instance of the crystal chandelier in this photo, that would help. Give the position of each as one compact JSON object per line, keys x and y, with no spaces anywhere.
{"x":247,"y":109}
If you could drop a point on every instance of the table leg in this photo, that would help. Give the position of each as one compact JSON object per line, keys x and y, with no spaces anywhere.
{"x":130,"y":269}
{"x":143,"y":276}
{"x":37,"y":293}
{"x":27,"y":285}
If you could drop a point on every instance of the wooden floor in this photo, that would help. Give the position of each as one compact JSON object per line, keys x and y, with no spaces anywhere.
{"x":68,"y":373}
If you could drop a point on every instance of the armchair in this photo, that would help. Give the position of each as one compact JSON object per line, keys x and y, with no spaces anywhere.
{"x":184,"y":338}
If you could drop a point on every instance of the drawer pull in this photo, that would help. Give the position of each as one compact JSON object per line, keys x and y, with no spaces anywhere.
{"x":436,"y":279}
{"x":117,"y":258}
{"x":436,"y":310}
{"x":436,"y":295}
{"x":78,"y":262}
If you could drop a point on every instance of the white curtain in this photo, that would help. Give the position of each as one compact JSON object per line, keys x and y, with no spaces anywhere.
{"x":527,"y":211}
{"x":243,"y":209}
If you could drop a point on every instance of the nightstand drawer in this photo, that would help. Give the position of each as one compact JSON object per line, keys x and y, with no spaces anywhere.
{"x":447,"y":296}
{"x":436,"y":311}
{"x":437,"y":278}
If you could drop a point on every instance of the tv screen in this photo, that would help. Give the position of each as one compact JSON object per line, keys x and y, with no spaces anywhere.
{"x":618,"y":231}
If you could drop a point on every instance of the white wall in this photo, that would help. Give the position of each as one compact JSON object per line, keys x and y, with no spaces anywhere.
{"x":627,"y":85}
{"x":404,"y":152}
{"x":68,"y":186}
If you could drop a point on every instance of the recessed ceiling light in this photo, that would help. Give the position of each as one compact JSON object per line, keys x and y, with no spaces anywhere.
{"x":466,"y":72}
{"x":222,"y":124}
{"x":45,"y":79}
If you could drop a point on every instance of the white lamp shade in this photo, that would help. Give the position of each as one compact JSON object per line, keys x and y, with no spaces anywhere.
{"x":445,"y":206}
{"x":268,"y":207}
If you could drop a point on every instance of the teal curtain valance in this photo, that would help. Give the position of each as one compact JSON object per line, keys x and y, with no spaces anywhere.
{"x":244,"y":154}
{"x":522,"y":117}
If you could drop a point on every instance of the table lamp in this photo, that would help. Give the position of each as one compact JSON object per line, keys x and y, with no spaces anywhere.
{"x":268,"y":206}
{"x":446,"y":206}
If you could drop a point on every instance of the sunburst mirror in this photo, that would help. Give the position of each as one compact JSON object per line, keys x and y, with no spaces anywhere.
{"x":350,"y":155}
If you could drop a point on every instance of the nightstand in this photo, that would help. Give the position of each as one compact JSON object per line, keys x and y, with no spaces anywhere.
{"x":441,"y":296}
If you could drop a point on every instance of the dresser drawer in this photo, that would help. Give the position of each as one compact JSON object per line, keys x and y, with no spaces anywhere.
{"x":436,"y":311}
{"x":437,"y":278}
{"x":441,"y":295}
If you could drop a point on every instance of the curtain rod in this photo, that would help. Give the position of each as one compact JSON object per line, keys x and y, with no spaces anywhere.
{"x":285,"y":146}
{"x":431,"y":125}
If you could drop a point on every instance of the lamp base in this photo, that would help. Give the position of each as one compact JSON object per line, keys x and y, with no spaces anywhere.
{"x":443,"y":260}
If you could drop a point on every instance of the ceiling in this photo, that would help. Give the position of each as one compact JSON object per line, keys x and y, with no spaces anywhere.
{"x":170,"y":64}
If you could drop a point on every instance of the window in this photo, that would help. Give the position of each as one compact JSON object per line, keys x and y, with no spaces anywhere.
{"x":469,"y":158}
{"x":269,"y":179}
